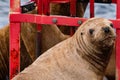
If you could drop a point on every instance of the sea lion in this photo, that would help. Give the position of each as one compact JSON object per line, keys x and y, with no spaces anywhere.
{"x":50,"y":36}
{"x":4,"y":54}
{"x":84,"y":56}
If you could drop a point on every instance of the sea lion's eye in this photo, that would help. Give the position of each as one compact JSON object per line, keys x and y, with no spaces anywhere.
{"x":81,"y":33}
{"x":91,"y":31}
{"x":111,"y":25}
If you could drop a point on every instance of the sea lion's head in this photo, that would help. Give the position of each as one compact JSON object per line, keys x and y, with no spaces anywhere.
{"x":98,"y":32}
{"x":95,"y":39}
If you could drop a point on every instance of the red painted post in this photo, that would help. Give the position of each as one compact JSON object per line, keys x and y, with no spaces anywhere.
{"x":46,"y":7}
{"x":39,"y":27}
{"x":118,"y":42}
{"x":14,"y":40}
{"x":91,"y":8}
{"x":118,"y":54}
{"x":72,"y":13}
{"x":73,"y":8}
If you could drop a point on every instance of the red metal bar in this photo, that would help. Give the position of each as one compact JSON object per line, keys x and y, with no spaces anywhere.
{"x":73,"y":8}
{"x":46,"y":7}
{"x":14,"y":6}
{"x":39,"y":19}
{"x":65,"y":1}
{"x":118,"y":53}
{"x":118,"y":9}
{"x":40,"y":4}
{"x":118,"y":42}
{"x":72,"y":13}
{"x":40,"y":12}
{"x":14,"y":40}
{"x":91,"y":8}
{"x":61,"y":20}
{"x":114,"y":1}
{"x":14,"y":49}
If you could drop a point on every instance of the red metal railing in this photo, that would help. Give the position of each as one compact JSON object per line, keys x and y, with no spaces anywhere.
{"x":14,"y":40}
{"x":118,"y":41}
{"x":43,"y":8}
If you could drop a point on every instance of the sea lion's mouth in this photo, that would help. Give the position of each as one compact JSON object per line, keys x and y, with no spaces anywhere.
{"x":112,"y":38}
{"x":108,"y":38}
{"x":108,"y":41}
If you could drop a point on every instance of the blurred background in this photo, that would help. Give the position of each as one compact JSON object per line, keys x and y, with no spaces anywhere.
{"x":101,"y":10}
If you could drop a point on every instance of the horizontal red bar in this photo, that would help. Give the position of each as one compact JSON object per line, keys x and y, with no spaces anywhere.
{"x":66,"y":1}
{"x":58,"y":20}
{"x":42,"y":19}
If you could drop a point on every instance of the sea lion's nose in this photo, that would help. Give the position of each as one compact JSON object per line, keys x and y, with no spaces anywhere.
{"x":106,"y":29}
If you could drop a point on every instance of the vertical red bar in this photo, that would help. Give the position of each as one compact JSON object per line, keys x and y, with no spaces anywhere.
{"x":118,"y":43}
{"x":14,"y":41}
{"x":118,"y":9}
{"x":40,"y":6}
{"x":91,"y":8}
{"x":72,"y":13}
{"x":46,"y":7}
{"x":39,"y":28}
{"x":73,"y":8}
{"x":118,"y":54}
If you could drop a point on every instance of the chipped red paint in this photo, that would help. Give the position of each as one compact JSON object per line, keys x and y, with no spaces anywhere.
{"x":15,"y":65}
{"x":14,"y":49}
{"x":14,"y":41}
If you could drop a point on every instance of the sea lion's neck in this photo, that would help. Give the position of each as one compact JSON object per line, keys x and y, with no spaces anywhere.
{"x":98,"y":59}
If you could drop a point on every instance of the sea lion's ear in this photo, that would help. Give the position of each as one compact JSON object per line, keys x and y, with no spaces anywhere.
{"x":91,"y":31}
{"x":111,"y":25}
{"x":81,"y":33}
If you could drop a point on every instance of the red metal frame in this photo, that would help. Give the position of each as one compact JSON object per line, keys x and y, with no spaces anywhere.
{"x":14,"y":40}
{"x":91,"y":8}
{"x":43,"y":8}
{"x":118,"y":42}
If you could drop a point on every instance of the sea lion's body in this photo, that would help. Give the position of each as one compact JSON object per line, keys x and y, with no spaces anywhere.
{"x":4,"y":54}
{"x":76,"y":58}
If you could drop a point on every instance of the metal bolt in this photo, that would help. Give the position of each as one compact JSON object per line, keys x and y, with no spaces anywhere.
{"x":79,"y":22}
{"x":54,"y":20}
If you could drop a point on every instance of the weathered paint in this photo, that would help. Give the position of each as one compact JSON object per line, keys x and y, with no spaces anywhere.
{"x":14,"y":40}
